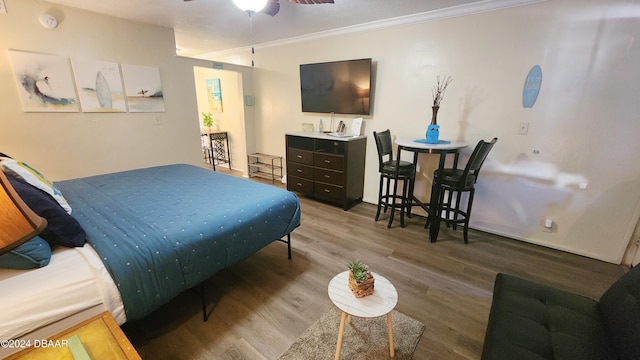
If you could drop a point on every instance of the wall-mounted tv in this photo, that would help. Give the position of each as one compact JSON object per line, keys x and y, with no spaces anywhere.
{"x":341,"y":87}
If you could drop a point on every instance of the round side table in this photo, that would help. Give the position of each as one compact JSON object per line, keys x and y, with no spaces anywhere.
{"x":380,"y":303}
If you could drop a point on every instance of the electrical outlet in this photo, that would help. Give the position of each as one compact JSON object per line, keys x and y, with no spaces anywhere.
{"x":523,"y":129}
{"x":158,"y":119}
{"x":547,"y":225}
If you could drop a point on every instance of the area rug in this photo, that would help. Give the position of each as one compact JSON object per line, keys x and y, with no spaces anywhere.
{"x":363,"y":338}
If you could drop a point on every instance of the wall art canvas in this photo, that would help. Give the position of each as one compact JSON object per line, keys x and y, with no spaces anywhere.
{"x":532,"y":86}
{"x":215,"y":95}
{"x":99,"y":86}
{"x":45,"y":82}
{"x":143,"y":88}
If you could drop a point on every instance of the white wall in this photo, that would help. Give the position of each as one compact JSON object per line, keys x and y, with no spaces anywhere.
{"x":68,"y":145}
{"x":583,"y":128}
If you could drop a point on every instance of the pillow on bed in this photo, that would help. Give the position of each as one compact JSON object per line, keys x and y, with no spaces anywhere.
{"x":35,"y":178}
{"x":62,"y":228}
{"x":35,"y":253}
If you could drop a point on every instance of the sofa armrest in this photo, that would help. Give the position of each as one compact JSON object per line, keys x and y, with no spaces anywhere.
{"x":533,"y":321}
{"x":620,"y":309}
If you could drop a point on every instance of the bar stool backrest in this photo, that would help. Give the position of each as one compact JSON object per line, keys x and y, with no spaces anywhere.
{"x":384,"y":146}
{"x":477,"y":158}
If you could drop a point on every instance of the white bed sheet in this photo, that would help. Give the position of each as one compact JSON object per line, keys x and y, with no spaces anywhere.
{"x":75,"y":280}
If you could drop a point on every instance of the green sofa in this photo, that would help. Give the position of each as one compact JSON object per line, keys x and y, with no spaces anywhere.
{"x":533,"y":321}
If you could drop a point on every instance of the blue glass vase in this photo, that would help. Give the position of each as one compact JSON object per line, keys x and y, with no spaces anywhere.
{"x":433,"y":132}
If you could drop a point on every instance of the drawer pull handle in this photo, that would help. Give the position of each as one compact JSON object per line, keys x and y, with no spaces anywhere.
{"x":327,"y":190}
{"x":299,"y":184}
{"x":299,"y":170}
{"x":327,"y":161}
{"x":299,"y":156}
{"x":327,"y":176}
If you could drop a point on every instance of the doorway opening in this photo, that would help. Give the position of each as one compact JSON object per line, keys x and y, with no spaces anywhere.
{"x":219,"y":96}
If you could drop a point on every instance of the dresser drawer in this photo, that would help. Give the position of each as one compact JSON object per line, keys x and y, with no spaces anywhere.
{"x":300,"y":170}
{"x":300,"y":156}
{"x":327,"y":161}
{"x":331,"y":146}
{"x":300,"y":142}
{"x":303,"y":186}
{"x":328,"y":176}
{"x":329,"y":191}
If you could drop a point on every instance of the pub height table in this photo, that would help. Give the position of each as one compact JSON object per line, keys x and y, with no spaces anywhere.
{"x":444,"y":148}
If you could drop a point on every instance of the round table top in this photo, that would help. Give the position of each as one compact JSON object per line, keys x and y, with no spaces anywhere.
{"x":449,"y":145}
{"x":381,"y":302}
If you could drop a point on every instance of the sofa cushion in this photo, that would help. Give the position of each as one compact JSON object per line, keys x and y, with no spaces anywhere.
{"x":533,"y":321}
{"x":620,"y":308}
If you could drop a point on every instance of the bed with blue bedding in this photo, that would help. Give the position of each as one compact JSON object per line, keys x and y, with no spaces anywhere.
{"x":162,"y":230}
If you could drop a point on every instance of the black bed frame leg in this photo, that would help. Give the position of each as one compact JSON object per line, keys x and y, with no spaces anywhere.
{"x":203,"y":297}
{"x":288,"y":242}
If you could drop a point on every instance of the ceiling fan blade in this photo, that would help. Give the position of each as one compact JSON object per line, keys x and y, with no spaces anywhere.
{"x":312,"y":1}
{"x":272,"y":8}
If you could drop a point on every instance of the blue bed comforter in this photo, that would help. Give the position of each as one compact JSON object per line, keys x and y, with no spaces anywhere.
{"x":165,"y":229}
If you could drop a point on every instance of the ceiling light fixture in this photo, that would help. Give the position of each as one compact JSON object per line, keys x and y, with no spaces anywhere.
{"x":250,"y":5}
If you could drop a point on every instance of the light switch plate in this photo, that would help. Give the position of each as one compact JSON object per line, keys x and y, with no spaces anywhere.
{"x":523,"y":129}
{"x":3,"y":9}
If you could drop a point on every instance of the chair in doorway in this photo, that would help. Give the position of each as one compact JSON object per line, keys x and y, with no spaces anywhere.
{"x":393,"y":170}
{"x":454,"y":182}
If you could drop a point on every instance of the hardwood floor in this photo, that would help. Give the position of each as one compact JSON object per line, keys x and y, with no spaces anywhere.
{"x":259,"y":307}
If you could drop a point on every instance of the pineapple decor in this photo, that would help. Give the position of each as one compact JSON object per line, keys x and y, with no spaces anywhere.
{"x":360,"y":279}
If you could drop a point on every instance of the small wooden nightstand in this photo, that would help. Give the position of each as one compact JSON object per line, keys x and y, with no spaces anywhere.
{"x":100,"y":335}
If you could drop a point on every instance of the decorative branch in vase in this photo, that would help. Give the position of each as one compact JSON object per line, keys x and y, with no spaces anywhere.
{"x":438,"y":93}
{"x":433,"y":132}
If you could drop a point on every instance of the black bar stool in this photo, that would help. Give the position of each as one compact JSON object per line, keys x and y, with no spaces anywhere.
{"x":390,"y":171}
{"x":457,"y":181}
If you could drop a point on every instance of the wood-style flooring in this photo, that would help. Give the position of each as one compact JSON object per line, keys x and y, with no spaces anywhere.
{"x":260,"y":306}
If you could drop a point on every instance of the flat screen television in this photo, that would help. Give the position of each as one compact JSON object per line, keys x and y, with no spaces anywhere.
{"x":341,"y":87}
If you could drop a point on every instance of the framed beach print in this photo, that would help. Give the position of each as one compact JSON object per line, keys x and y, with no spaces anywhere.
{"x":99,"y":86}
{"x":143,"y":88}
{"x":215,"y":94}
{"x":45,"y":82}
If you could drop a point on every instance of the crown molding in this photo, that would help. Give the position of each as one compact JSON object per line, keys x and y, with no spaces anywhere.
{"x":439,"y":14}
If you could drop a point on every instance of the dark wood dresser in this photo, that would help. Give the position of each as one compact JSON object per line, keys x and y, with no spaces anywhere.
{"x":326,"y":167}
